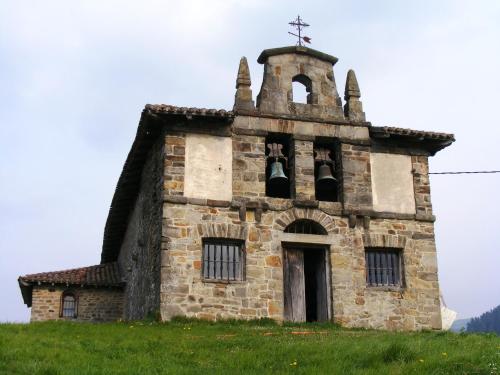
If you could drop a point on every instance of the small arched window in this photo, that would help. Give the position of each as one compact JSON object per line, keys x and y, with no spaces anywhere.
{"x":305,"y":226}
{"x":68,"y":305}
{"x":301,"y":89}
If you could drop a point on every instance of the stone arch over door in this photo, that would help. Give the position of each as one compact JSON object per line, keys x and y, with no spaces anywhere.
{"x":306,"y":226}
{"x":289,"y":216}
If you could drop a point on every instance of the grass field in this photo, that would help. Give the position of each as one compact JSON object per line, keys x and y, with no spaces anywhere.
{"x":194,"y":347}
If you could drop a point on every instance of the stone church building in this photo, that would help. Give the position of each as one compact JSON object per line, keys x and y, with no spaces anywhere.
{"x":277,"y":209}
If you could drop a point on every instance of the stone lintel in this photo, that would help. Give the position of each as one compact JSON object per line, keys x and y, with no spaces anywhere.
{"x":306,"y":203}
{"x":389,"y":215}
{"x":312,"y":130}
{"x":218,"y":203}
{"x":304,"y":137}
{"x":330,"y":208}
{"x":256,"y":132}
{"x":288,"y":116}
{"x":384,"y":240}
{"x":196,"y":201}
{"x":223,"y":230}
{"x":310,"y":239}
{"x":425,"y":217}
{"x":179,"y":199}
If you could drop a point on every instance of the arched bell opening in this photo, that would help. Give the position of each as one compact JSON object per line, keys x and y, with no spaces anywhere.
{"x":326,"y":174}
{"x":278,"y":166}
{"x":301,"y":89}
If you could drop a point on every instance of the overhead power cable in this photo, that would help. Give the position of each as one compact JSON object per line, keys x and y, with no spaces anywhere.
{"x":465,"y":172}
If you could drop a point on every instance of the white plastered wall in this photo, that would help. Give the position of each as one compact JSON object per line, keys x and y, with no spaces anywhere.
{"x":392,"y":183}
{"x":208,"y":169}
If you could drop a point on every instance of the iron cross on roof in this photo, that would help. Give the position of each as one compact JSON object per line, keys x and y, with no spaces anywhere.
{"x":299,"y":25}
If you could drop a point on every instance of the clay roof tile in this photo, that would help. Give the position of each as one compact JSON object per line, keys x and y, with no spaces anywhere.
{"x":107,"y":274}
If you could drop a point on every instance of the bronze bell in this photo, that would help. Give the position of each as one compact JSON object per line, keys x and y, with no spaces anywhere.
{"x":325,"y":174}
{"x":277,"y":175}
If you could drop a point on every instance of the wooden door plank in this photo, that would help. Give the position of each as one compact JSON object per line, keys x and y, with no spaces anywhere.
{"x":295,"y":299}
{"x":321,"y":291}
{"x":288,"y":316}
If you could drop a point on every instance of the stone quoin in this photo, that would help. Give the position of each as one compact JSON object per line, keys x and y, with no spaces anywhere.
{"x":294,"y":211}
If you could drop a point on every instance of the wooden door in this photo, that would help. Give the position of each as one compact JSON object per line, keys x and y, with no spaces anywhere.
{"x":294,"y":285}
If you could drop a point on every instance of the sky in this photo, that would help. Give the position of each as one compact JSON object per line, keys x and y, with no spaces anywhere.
{"x":75,"y":75}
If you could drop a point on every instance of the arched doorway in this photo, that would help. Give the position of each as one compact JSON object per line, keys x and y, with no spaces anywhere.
{"x":306,"y":291}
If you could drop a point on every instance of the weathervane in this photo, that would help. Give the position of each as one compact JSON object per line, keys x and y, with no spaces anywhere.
{"x":299,"y":25}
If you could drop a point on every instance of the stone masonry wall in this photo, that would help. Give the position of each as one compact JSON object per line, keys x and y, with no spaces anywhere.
{"x":304,"y":170}
{"x":422,"y":186}
{"x":415,"y":305}
{"x":249,"y":167}
{"x":356,"y":176}
{"x":139,"y":257}
{"x":94,"y":304}
{"x":260,"y":221}
{"x":174,"y":164}
{"x":184,"y":292}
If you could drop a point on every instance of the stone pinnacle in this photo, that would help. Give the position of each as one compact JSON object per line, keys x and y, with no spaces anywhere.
{"x":243,"y":74}
{"x":351,"y":86}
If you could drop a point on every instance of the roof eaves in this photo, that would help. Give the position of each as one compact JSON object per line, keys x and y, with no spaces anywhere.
{"x":188,"y":111}
{"x":26,"y":291}
{"x":385,"y":131}
{"x":432,"y":142}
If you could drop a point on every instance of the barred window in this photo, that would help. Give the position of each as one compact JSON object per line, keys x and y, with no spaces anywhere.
{"x":68,"y":309}
{"x":383,"y":267}
{"x":223,"y":260}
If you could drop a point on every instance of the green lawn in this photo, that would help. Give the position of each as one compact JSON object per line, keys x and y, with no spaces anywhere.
{"x":194,"y":347}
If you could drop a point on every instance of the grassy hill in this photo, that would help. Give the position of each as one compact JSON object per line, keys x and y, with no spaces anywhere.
{"x":194,"y":347}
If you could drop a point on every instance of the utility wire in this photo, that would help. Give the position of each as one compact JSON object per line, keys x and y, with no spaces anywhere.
{"x":465,"y":172}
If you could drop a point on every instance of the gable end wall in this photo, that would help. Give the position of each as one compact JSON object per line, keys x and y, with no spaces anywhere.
{"x":188,"y":220}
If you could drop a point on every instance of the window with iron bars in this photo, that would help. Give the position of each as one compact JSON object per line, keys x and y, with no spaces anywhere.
{"x":383,"y":267}
{"x":68,"y":309}
{"x":223,"y":260}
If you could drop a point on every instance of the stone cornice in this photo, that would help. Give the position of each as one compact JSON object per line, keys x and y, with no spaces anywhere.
{"x":301,"y":50}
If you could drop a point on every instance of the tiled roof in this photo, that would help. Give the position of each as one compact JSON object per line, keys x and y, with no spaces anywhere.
{"x":188,"y":111}
{"x":107,"y":274}
{"x":389,"y":130}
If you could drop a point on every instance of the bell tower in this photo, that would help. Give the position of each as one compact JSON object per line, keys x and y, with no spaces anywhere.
{"x":313,"y":69}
